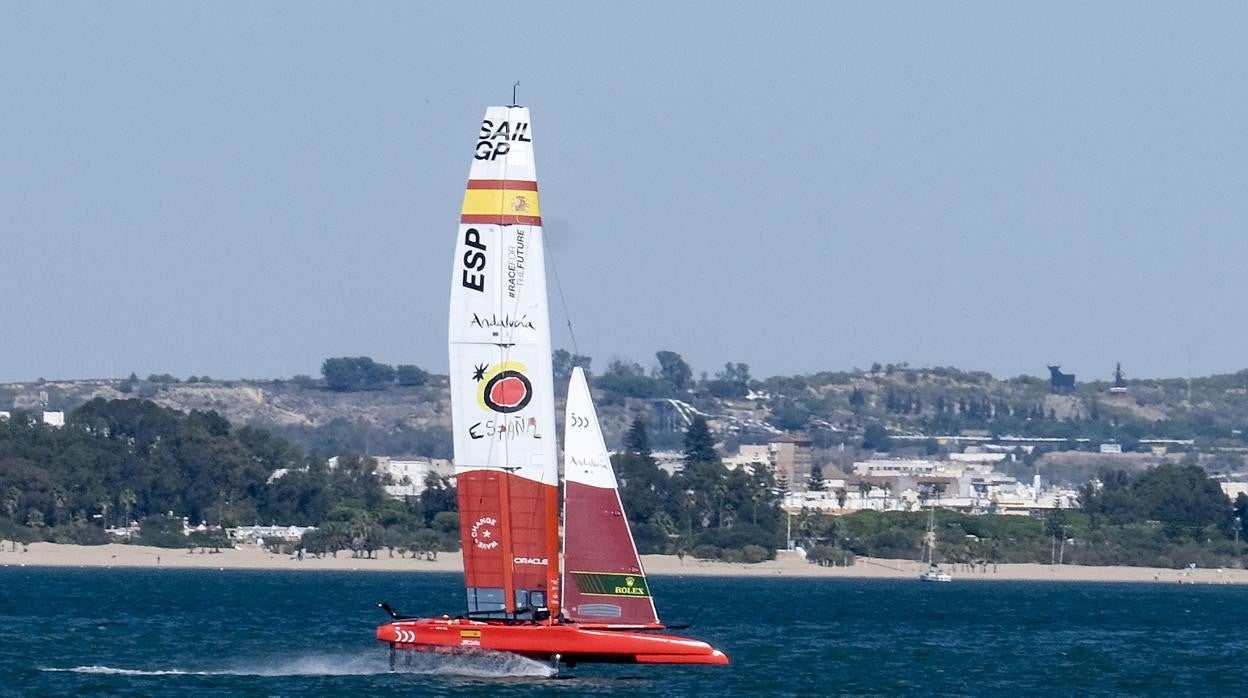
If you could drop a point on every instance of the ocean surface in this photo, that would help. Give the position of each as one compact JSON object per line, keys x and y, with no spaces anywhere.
{"x":279,"y":633}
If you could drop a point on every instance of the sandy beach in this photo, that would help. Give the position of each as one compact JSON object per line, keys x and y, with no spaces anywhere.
{"x":785,"y":565}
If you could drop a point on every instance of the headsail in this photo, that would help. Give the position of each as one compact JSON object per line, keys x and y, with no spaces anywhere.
{"x":503,"y":407}
{"x":604,"y":582}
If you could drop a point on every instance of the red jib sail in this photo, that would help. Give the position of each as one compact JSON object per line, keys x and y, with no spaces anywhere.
{"x":604,"y":582}
{"x":502,"y":400}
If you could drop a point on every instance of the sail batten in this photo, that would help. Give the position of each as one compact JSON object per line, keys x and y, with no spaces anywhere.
{"x":604,"y":580}
{"x":502,"y":399}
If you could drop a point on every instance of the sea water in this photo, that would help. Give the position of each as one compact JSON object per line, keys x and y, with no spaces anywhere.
{"x":166,"y":632}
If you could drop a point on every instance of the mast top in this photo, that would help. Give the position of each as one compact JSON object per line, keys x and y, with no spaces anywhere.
{"x":513,"y":94}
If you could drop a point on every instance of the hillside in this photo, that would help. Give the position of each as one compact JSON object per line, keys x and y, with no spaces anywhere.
{"x":836,"y":409}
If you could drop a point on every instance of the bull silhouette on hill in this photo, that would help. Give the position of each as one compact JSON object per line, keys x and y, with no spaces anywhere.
{"x":1060,"y":383}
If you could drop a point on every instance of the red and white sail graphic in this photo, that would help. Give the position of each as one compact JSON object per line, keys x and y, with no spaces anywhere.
{"x":502,"y":399}
{"x":603,"y":581}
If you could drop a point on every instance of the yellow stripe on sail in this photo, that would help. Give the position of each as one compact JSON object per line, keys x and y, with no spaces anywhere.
{"x":507,"y":202}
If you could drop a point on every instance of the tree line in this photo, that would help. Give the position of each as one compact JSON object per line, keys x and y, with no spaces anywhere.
{"x":1170,"y":516}
{"x":352,"y":373}
{"x":117,"y":461}
{"x":703,"y":509}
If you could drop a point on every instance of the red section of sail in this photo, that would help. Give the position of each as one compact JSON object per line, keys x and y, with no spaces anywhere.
{"x":521,"y":184}
{"x":603,"y":573}
{"x":499,"y":219}
{"x":509,"y":530}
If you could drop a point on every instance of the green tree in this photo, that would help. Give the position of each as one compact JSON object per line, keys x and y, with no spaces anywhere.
{"x":816,"y":478}
{"x":731,"y":382}
{"x":857,"y":399}
{"x":350,"y":373}
{"x":439,"y":496}
{"x":1241,"y":514}
{"x":410,"y":375}
{"x":1183,"y":497}
{"x":34,"y":518}
{"x":875,"y":438}
{"x":426,"y":542}
{"x":446,"y":522}
{"x":703,"y":478}
{"x":637,"y":440}
{"x":645,"y":490}
{"x":628,"y":379}
{"x":674,"y":370}
{"x":354,"y":481}
{"x":790,"y":416}
{"x":699,"y":444}
{"x":162,"y":531}
{"x":563,"y":362}
{"x":128,"y":385}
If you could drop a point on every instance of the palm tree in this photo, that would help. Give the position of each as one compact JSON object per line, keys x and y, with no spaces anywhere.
{"x":864,"y":491}
{"x":126,"y":499}
{"x":12,"y":497}
{"x":888,"y":494}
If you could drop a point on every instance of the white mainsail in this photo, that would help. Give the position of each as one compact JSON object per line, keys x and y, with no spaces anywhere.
{"x":502,"y":399}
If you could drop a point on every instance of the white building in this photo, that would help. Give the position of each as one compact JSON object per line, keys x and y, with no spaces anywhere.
{"x":1234,"y":489}
{"x":670,"y":462}
{"x":255,"y":535}
{"x":54,"y":419}
{"x":406,"y":478}
{"x":750,"y":457}
{"x":969,"y":484}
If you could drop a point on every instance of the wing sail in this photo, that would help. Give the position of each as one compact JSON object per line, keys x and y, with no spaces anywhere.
{"x":502,"y":399}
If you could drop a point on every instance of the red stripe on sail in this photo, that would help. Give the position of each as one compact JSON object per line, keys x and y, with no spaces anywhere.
{"x":597,"y":541}
{"x":526,"y":528}
{"x":518,"y":184}
{"x":499,"y":219}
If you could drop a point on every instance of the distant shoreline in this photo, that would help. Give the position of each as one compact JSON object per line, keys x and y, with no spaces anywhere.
{"x":785,"y":565}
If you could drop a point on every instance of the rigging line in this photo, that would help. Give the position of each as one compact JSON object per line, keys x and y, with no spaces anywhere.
{"x":554,"y":271}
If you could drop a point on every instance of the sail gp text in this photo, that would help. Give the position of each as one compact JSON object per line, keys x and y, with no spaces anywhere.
{"x":496,"y":140}
{"x":505,"y":429}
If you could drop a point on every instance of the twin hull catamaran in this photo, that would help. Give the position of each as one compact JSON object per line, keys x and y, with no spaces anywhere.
{"x":597,"y":607}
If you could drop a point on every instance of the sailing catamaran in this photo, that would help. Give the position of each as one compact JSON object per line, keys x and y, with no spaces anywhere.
{"x":597,"y":607}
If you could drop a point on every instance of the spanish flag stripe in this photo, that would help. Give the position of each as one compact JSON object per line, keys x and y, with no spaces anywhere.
{"x":499,"y":219}
{"x":517,"y":201}
{"x":501,"y":206}
{"x":526,"y":185}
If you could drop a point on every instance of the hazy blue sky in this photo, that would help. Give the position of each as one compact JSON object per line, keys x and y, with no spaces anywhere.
{"x":243,"y":189}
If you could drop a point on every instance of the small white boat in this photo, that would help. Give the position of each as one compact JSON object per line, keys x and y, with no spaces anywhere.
{"x":933,"y":573}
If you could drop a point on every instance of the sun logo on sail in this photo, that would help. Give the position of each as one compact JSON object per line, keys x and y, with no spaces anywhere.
{"x":503,"y":388}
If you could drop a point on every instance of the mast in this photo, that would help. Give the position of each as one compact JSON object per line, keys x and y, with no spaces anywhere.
{"x":502,"y":398}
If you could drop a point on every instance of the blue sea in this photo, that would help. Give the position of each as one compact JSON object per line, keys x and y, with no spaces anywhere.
{"x":281,"y":633}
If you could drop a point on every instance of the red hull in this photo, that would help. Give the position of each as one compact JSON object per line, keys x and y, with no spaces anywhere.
{"x":570,"y":642}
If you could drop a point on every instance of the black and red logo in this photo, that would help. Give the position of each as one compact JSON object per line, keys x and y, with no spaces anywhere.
{"x":508,"y":392}
{"x":503,"y":388}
